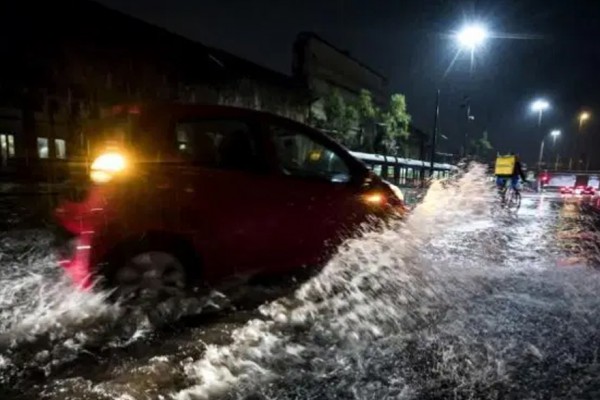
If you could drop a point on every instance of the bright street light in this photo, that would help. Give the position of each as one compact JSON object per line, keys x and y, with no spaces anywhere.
{"x":584,"y":116}
{"x":555,"y":133}
{"x":539,"y":106}
{"x":472,"y":36}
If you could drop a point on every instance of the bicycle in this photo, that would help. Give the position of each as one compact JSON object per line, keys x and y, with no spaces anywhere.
{"x":510,"y":197}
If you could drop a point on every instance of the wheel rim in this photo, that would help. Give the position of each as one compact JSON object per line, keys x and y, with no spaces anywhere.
{"x":151,"y":275}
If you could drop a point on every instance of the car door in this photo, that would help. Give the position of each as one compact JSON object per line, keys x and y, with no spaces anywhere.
{"x":227,"y":205}
{"x":320,"y":189}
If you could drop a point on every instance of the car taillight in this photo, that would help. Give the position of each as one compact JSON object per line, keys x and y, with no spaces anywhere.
{"x":106,"y":166}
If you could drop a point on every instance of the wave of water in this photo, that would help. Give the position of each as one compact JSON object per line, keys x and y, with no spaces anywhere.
{"x":457,"y":301}
{"x":46,"y":322}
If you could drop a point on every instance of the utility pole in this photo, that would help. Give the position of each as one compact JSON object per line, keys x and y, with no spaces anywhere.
{"x":435,"y":132}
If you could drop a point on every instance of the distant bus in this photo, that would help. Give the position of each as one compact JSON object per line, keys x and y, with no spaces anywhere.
{"x":403,"y":171}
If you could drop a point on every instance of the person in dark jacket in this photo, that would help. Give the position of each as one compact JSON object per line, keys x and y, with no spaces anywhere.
{"x":517,"y":173}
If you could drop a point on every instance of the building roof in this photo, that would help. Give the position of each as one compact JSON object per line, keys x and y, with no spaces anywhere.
{"x":96,"y":28}
{"x":311,"y":35}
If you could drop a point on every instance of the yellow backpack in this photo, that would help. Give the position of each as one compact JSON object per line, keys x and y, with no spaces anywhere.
{"x":505,"y":165}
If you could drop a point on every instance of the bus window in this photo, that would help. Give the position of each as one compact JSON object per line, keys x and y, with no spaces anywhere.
{"x":390,"y":173}
{"x":409,"y":176}
{"x":403,"y":175}
{"x":377,"y":169}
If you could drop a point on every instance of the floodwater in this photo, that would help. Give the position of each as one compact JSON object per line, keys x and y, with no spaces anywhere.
{"x":462,"y":300}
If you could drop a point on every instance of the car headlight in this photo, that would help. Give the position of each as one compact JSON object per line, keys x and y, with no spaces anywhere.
{"x":106,"y":166}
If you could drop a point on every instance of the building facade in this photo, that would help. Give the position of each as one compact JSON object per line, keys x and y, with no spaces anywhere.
{"x":71,"y":58}
{"x":324,"y":68}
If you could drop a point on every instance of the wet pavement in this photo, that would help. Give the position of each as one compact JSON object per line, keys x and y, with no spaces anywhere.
{"x":463,"y":300}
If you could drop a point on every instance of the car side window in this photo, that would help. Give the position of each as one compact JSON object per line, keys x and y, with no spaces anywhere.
{"x":300,"y":155}
{"x":219,"y":144}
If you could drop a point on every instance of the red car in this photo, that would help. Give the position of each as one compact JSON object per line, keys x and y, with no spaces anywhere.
{"x":566,"y":190}
{"x":584,"y":190}
{"x":180,"y":195}
{"x":578,"y":190}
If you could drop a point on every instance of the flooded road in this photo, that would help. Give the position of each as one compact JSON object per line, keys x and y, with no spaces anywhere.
{"x":462,"y":300}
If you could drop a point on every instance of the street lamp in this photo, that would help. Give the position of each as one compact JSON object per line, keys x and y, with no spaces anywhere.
{"x":470,"y":37}
{"x":584,"y":116}
{"x":539,"y":106}
{"x":554,"y":133}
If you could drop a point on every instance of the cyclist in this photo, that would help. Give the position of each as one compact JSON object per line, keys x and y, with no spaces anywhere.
{"x":508,"y":168}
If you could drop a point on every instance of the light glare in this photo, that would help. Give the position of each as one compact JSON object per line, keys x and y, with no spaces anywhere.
{"x":109,"y":162}
{"x":472,"y":36}
{"x":540,"y":105}
{"x":106,"y":166}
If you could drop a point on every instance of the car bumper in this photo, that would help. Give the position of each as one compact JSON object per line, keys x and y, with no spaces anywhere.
{"x":73,"y":255}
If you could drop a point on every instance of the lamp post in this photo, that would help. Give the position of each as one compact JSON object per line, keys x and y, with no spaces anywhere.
{"x":470,"y":37}
{"x":539,"y":106}
{"x":555,"y":133}
{"x":584,"y":116}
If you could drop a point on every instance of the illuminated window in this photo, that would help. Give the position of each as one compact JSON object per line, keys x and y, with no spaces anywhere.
{"x":60,"y":148}
{"x":183,"y":140}
{"x":7,"y":146}
{"x":42,"y":147}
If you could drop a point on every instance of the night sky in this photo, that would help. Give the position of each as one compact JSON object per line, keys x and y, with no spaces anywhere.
{"x":556,"y":54}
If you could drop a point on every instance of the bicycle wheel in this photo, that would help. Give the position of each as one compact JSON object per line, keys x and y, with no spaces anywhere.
{"x":513,"y":200}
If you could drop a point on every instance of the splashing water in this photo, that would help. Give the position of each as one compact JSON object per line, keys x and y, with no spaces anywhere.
{"x":46,"y":322}
{"x":449,"y":303}
{"x":43,"y":318}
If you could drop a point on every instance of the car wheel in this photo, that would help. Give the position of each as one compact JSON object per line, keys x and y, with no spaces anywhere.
{"x":150,"y":276}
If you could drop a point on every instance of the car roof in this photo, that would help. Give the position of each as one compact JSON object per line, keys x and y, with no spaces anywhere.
{"x":149,"y":110}
{"x":177,"y":109}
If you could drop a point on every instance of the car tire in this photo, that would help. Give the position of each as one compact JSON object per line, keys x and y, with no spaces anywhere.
{"x":149,"y":277}
{"x":149,"y":270}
